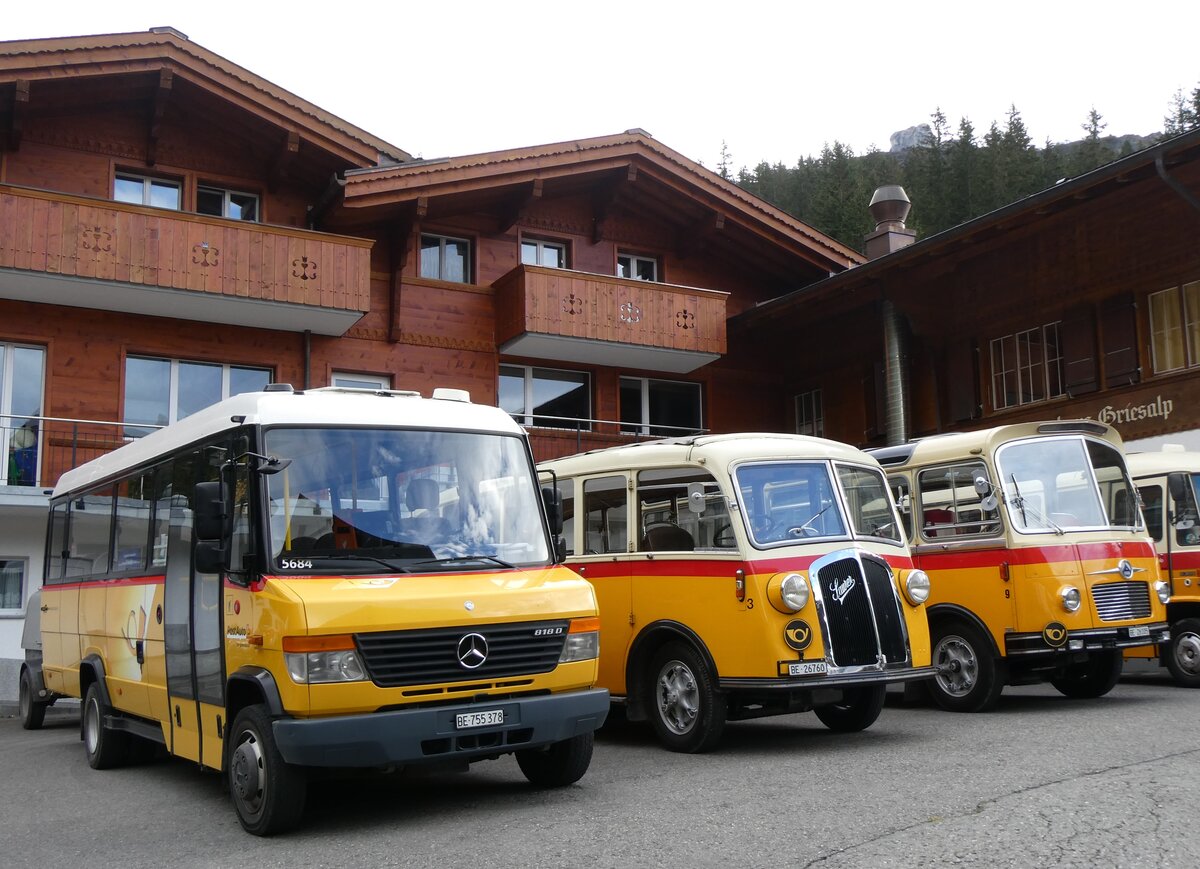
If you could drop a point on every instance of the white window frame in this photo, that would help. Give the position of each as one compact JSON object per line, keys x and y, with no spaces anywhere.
{"x":225,"y":194}
{"x":526,"y":418}
{"x":173,"y":384}
{"x":1188,"y":330}
{"x":634,"y":259}
{"x":815,"y":425}
{"x":6,"y":393}
{"x":468,"y":270}
{"x":540,"y":244}
{"x":24,"y":592}
{"x":360,"y":381}
{"x":1022,"y":368}
{"x":644,"y":427}
{"x":147,"y":182}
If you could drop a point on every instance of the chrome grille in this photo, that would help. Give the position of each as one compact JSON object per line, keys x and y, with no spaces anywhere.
{"x":422,"y":657}
{"x":855,"y":585}
{"x":1118,"y":601}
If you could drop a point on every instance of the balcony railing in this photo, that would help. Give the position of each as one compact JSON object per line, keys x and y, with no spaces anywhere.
{"x":552,"y":437}
{"x":38,"y":450}
{"x":564,"y":315}
{"x":181,"y":265}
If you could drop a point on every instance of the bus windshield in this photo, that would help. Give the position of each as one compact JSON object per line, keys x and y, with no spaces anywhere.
{"x":1054,"y":484}
{"x":400,"y":500}
{"x":785,"y":502}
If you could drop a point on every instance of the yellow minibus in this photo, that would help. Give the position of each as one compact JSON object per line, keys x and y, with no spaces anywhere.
{"x":744,"y":575}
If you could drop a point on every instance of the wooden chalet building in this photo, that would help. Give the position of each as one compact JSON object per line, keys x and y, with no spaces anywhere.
{"x":175,"y":229}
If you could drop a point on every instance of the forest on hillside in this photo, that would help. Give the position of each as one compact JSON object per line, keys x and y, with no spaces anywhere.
{"x":951,"y":174}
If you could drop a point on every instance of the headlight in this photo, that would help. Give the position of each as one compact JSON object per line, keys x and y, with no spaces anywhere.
{"x":583,"y":640}
{"x":793,"y":591}
{"x":312,"y":668}
{"x":1163,"y":590}
{"x":1070,"y":598}
{"x":916,"y":587}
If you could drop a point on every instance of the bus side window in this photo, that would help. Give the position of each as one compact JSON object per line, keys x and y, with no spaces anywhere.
{"x":605,"y":513}
{"x":681,"y":510}
{"x":1152,"y":507}
{"x":950,"y":504}
{"x":566,"y":490}
{"x":903,"y":499}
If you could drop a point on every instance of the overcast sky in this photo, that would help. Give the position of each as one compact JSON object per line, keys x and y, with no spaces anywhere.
{"x":775,"y":80}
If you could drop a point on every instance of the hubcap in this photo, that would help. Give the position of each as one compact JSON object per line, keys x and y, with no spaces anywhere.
{"x":246,"y":773}
{"x":957,"y":666}
{"x":1187,"y":653}
{"x":678,"y":697}
{"x":91,"y":727}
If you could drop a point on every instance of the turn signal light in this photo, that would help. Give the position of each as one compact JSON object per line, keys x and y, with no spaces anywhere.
{"x":326,"y":643}
{"x":739,"y":585}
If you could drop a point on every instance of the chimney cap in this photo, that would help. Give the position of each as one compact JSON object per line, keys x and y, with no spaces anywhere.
{"x":890,"y":204}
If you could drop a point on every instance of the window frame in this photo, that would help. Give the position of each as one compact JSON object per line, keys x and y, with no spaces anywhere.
{"x":958,"y":530}
{"x":1187,"y":327}
{"x":1022,"y":369}
{"x":643,"y":427}
{"x":539,"y":244}
{"x":528,"y":416}
{"x":147,"y":182}
{"x":634,"y":259}
{"x":374,"y":381}
{"x":8,"y":419}
{"x":173,"y":387}
{"x":816,"y":425}
{"x":468,"y":268}
{"x":23,"y":586}
{"x":226,"y":192}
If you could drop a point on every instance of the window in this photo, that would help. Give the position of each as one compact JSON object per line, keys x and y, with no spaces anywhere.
{"x":1175,"y":328}
{"x":535,"y":252}
{"x":606,"y":525}
{"x":1027,"y":367}
{"x":951,"y":505}
{"x":22,"y":374}
{"x":135,"y":498}
{"x":546,"y":397}
{"x":88,"y":534}
{"x":681,"y":510}
{"x":446,"y":259}
{"x":361,"y":381}
{"x":163,"y":391}
{"x":810,"y":416}
{"x":638,"y":268}
{"x":144,"y":190}
{"x":662,"y":408}
{"x":227,"y":203}
{"x":12,"y":583}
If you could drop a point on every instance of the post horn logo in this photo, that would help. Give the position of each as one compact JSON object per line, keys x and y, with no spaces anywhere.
{"x":797,"y":634}
{"x":1055,"y":635}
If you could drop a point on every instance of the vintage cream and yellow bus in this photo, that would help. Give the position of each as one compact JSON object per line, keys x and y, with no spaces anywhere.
{"x":1168,"y":482}
{"x":1040,"y":565}
{"x":334,"y":578}
{"x":744,"y":575}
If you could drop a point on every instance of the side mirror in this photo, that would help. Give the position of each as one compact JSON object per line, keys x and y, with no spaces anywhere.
{"x":212,"y":525}
{"x":696,"y":501}
{"x":552,"y":499}
{"x":1178,"y":485}
{"x":983,"y":486}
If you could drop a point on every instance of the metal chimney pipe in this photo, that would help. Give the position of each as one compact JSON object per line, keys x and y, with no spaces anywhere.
{"x":889,"y":207}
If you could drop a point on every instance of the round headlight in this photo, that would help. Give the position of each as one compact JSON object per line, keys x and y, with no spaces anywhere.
{"x":1070,"y":598}
{"x":1163,"y":590}
{"x":916,"y":587}
{"x":794,"y":591}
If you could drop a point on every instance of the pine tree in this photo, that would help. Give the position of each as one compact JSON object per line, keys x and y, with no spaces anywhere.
{"x":724,"y":164}
{"x":1092,"y":153}
{"x":1184,"y":114}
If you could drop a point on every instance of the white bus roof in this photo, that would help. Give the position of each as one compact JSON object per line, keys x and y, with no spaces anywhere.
{"x":1157,"y":464}
{"x":332,"y":406}
{"x":717,"y":450}
{"x":954,"y":446}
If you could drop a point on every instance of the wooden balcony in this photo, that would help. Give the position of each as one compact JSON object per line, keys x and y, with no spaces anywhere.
{"x":62,"y":249}
{"x":592,"y":319}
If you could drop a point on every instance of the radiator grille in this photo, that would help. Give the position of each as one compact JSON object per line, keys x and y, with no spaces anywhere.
{"x":421,"y":657}
{"x":1117,"y":601}
{"x":851,"y":589}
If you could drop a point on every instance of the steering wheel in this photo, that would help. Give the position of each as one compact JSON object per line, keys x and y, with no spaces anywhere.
{"x":762,"y":525}
{"x":723,"y":536}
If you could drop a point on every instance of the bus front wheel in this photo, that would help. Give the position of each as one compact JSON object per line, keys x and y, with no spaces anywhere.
{"x":1095,"y":677}
{"x":33,"y":713}
{"x":105,"y":748}
{"x":1183,"y":655}
{"x":857,"y":711}
{"x":268,"y":794}
{"x":686,"y":709}
{"x":969,"y":678}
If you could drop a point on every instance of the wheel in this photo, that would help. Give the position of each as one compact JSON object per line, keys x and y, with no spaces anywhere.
{"x":558,"y":764}
{"x":1095,"y":677}
{"x":33,"y":713}
{"x":969,"y":678}
{"x":687,"y":711}
{"x":1183,"y":654}
{"x":268,"y":794}
{"x":105,"y":748}
{"x":857,"y":711}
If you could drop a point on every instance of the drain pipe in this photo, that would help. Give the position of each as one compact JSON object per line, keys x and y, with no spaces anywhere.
{"x":307,"y":358}
{"x":1183,"y":192}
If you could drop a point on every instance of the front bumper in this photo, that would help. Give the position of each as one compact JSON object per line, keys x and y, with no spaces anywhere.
{"x":429,"y":734}
{"x":831,"y":680}
{"x":1093,"y":639}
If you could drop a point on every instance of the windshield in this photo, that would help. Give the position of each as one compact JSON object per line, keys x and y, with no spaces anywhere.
{"x":356,"y":499}
{"x":1055,"y":484}
{"x":784,"y":502}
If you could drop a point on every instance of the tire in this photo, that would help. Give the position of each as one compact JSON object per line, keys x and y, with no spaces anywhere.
{"x":857,"y":711}
{"x":33,"y":713}
{"x":1094,"y":678}
{"x":105,"y":748}
{"x":1183,"y":654}
{"x":969,"y":678}
{"x":558,"y":764}
{"x":686,"y":709}
{"x":268,"y":793}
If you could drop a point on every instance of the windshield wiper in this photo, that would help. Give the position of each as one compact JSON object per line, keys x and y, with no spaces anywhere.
{"x":459,"y":559}
{"x":1037,"y":514}
{"x":350,"y":556}
{"x":808,"y":525}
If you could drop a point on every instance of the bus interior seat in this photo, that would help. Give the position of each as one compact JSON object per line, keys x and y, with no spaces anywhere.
{"x":667,"y":537}
{"x":933,"y":518}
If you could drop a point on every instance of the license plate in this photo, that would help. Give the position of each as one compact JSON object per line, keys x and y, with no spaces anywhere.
{"x":808,"y":668}
{"x":491,"y":717}
{"x":1139,"y":631}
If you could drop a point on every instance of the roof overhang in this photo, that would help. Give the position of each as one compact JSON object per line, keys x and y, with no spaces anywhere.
{"x":613,"y":354}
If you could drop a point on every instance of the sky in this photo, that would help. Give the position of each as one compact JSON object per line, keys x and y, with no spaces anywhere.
{"x":772,"y":81}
